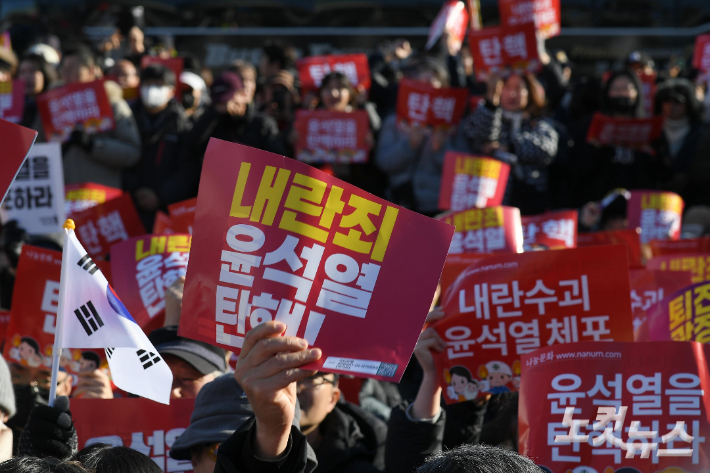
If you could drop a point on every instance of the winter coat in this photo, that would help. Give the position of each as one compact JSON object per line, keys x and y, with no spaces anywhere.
{"x":112,"y":151}
{"x":410,"y":442}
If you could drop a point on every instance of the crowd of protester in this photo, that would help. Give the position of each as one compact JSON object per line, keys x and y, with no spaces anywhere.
{"x":269,"y":415}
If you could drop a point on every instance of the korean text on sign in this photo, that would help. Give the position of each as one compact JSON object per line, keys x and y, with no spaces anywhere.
{"x":12,"y":100}
{"x":489,"y":230}
{"x":637,"y":406}
{"x":472,"y":181}
{"x":144,"y":267}
{"x":683,"y":315}
{"x":333,"y":137}
{"x":615,"y":131}
{"x":78,"y":197}
{"x":313,"y":69}
{"x":505,"y":46}
{"x":552,"y":230}
{"x":36,"y":197}
{"x":424,"y":104}
{"x":282,"y":241}
{"x":544,"y":14}
{"x":657,"y":214}
{"x":698,"y":265}
{"x":505,"y":306}
{"x":648,"y":288}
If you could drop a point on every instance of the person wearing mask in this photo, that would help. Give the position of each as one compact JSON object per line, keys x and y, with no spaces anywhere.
{"x":160,"y":177}
{"x":402,"y":146}
{"x":99,"y":157}
{"x":676,"y":148}
{"x":598,"y":169}
{"x":38,"y":76}
{"x":8,"y":64}
{"x":232,"y":118}
{"x":194,"y":95}
{"x":193,"y":363}
{"x":509,"y":125}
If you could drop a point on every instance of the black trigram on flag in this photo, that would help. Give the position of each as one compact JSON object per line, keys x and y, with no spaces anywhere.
{"x":109,"y":352}
{"x":89,"y":318}
{"x":148,"y":358}
{"x":88,"y":264}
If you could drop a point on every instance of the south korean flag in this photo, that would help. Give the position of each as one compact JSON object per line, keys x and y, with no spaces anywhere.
{"x":92,"y":316}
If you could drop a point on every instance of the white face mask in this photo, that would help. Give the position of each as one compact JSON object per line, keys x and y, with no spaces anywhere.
{"x":154,"y":96}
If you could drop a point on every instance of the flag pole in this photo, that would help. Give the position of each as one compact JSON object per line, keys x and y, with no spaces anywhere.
{"x":58,"y":331}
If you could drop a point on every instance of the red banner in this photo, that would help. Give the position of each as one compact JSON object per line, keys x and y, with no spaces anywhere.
{"x":332,"y":137}
{"x":544,"y":14}
{"x":335,"y":261}
{"x":175,"y":64}
{"x":140,"y":424}
{"x":183,"y":215}
{"x":698,"y":265}
{"x":648,"y":288}
{"x":4,"y":322}
{"x":680,"y":247}
{"x":63,"y":108}
{"x":12,"y":100}
{"x":701,"y":54}
{"x":505,"y":46}
{"x":144,"y":267}
{"x":423,"y":104}
{"x":626,"y":401}
{"x":452,"y":19}
{"x":30,"y":334}
{"x":106,"y":224}
{"x":683,"y":316}
{"x":162,"y":224}
{"x":16,"y":141}
{"x":80,"y":197}
{"x":550,"y":231}
{"x":472,"y":181}
{"x":312,"y":70}
{"x":489,"y":230}
{"x":629,"y":237}
{"x":505,"y":306}
{"x":624,"y":132}
{"x":657,"y":214}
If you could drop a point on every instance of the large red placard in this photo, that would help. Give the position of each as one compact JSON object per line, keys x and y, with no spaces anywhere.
{"x":422,"y":104}
{"x":550,"y":231}
{"x":276,"y":239}
{"x":489,"y":230}
{"x":472,"y":181}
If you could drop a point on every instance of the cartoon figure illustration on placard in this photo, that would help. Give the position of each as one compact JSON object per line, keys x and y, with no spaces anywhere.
{"x":462,"y":386}
{"x":497,"y":374}
{"x":27,"y":352}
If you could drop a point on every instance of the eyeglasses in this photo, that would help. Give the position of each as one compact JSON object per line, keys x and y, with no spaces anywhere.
{"x":314,"y":382}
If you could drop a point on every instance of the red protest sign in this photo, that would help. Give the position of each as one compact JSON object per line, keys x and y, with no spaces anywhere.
{"x":106,"y":224}
{"x":654,"y":384}
{"x":680,"y":247}
{"x":622,"y":131}
{"x":505,"y":46}
{"x":648,"y":84}
{"x":550,"y":231}
{"x":12,"y":100}
{"x":16,"y":141}
{"x":183,"y":215}
{"x":629,"y":237}
{"x":80,"y":197}
{"x":4,"y":322}
{"x":648,"y":288}
{"x":332,"y":137}
{"x":544,"y":14}
{"x":454,"y":266}
{"x":489,"y":230}
{"x":162,"y":224}
{"x":472,"y":181}
{"x":312,"y":70}
{"x":701,"y":54}
{"x":63,"y":108}
{"x":504,"y":306}
{"x":144,"y":267}
{"x":682,"y":315}
{"x":30,"y":333}
{"x":421,"y":103}
{"x":307,"y":249}
{"x":698,"y":265}
{"x":452,"y":19}
{"x":136,"y":423}
{"x":658,"y":214}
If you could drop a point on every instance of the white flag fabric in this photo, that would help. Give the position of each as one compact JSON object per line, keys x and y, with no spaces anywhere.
{"x":94,"y":317}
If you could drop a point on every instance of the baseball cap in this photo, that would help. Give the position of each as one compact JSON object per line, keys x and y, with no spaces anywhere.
{"x":224,"y":87}
{"x":202,"y":356}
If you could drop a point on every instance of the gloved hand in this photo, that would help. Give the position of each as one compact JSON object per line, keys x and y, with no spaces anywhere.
{"x":79,"y":138}
{"x":50,"y":432}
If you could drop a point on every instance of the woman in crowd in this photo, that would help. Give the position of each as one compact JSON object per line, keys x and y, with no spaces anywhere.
{"x":38,"y":76}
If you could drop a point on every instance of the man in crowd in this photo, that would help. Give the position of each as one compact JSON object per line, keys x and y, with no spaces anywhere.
{"x":99,"y":157}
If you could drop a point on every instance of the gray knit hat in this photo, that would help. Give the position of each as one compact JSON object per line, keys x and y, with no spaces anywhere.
{"x":7,"y":394}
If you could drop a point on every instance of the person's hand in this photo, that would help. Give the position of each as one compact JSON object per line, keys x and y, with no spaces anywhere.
{"x":591,"y":214}
{"x":146,"y":199}
{"x":50,"y":432}
{"x":173,"y":302}
{"x":267,"y":370}
{"x":93,"y":385}
{"x":429,"y":340}
{"x":494,"y":89}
